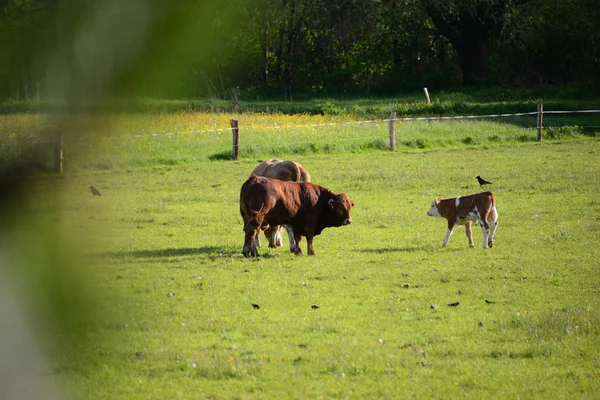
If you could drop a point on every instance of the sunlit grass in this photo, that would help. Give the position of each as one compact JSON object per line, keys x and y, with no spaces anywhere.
{"x":120,"y":140}
{"x":383,"y":328}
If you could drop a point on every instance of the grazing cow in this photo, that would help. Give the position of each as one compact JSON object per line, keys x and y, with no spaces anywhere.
{"x":307,"y":207}
{"x":480,"y":208}
{"x":284,"y":170}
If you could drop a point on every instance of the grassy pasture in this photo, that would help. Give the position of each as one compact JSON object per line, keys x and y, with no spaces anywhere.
{"x":121,"y":140}
{"x":177,"y":228}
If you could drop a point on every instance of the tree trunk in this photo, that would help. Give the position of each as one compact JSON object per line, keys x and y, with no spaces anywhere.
{"x":470,"y":59}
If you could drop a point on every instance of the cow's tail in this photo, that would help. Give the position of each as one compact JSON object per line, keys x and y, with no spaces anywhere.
{"x":492,"y":198}
{"x":243,"y":205}
{"x":493,"y":207}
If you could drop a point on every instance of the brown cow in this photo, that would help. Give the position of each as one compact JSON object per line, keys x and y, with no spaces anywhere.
{"x":284,"y":170}
{"x":307,"y":207}
{"x":480,"y":208}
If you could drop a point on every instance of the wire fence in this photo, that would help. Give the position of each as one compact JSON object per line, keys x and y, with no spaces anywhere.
{"x":141,"y":142}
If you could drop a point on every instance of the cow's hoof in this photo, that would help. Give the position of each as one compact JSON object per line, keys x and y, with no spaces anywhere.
{"x":490,"y":244}
{"x":471,"y":245}
{"x":250,"y":253}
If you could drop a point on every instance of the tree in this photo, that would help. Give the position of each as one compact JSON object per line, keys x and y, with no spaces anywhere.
{"x":469,"y":25}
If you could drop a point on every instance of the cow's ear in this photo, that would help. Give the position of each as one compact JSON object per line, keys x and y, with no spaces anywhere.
{"x":331,"y":203}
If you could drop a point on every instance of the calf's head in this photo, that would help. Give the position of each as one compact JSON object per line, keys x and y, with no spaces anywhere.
{"x":433,"y":210}
{"x":340,"y":207}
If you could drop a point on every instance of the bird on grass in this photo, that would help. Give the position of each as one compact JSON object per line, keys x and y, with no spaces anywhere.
{"x":482,"y":181}
{"x":95,"y":191}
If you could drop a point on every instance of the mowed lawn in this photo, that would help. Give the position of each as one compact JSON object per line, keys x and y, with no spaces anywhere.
{"x":368,"y":316}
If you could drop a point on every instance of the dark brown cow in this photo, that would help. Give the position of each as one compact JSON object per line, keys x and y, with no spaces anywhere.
{"x":307,"y":207}
{"x":284,"y":170}
{"x":464,"y":210}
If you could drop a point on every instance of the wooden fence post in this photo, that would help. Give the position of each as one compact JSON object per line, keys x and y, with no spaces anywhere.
{"x":236,"y":138}
{"x":427,"y":95}
{"x":393,"y":131}
{"x":540,"y":118}
{"x":58,"y":153}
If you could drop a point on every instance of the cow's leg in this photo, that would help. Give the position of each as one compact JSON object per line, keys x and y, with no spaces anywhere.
{"x":485,"y":228}
{"x":251,"y":230}
{"x":275,"y":240}
{"x":297,"y":238}
{"x":309,"y":241}
{"x":469,"y":233}
{"x":448,"y":234}
{"x":290,"y":233}
{"x":279,"y":236}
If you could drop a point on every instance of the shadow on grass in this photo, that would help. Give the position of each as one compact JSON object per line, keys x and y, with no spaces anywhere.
{"x":406,"y":249}
{"x":211,"y":251}
{"x":412,"y":249}
{"x":172,"y":252}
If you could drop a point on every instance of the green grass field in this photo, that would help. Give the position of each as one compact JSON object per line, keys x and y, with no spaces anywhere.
{"x":383,"y":328}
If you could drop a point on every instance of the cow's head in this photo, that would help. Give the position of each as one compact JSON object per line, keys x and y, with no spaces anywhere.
{"x":340,"y":207}
{"x":433,"y":210}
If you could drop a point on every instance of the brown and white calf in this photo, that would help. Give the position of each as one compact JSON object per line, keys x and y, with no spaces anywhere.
{"x":465,"y":210}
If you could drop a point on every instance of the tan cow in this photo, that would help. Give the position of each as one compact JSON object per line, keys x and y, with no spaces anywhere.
{"x":284,"y":170}
{"x":307,"y":207}
{"x":480,"y":208}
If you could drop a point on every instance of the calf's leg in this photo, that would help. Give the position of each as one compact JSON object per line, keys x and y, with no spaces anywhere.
{"x":485,"y":228}
{"x":448,"y":234}
{"x":469,"y":234}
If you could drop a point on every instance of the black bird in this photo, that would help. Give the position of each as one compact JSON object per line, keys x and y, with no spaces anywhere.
{"x":315,"y":307}
{"x":95,"y":191}
{"x":482,"y":181}
{"x":255,"y":306}
{"x":454,"y":304}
